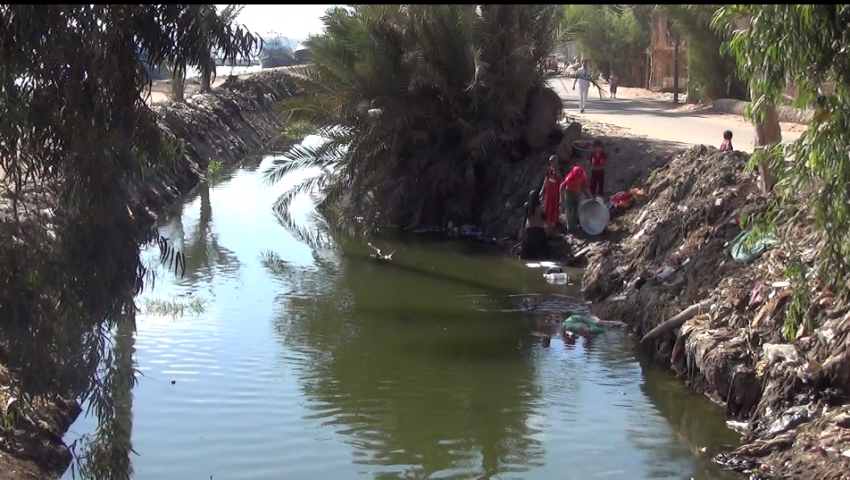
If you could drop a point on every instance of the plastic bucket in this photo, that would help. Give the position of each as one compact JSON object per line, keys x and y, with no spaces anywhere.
{"x":593,"y":216}
{"x":584,"y":146}
{"x":582,"y":149}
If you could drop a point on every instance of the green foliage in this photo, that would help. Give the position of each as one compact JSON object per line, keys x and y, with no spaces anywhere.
{"x":806,"y":45}
{"x":173,"y":307}
{"x":297,"y":130}
{"x":226,"y":16}
{"x":420,"y":106}
{"x":712,"y":73}
{"x":75,"y":132}
{"x":610,"y":34}
{"x":799,"y":302}
{"x":214,"y":171}
{"x":10,"y":414}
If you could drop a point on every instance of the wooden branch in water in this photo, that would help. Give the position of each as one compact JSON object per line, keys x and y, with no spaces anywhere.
{"x":677,"y":321}
{"x":578,"y":256}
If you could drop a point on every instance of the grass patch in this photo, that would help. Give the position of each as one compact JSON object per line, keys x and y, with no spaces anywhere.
{"x":214,"y":171}
{"x":173,"y":307}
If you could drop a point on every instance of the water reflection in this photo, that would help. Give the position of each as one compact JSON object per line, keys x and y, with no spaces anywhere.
{"x":125,"y":379}
{"x":108,"y":453}
{"x":692,"y":418}
{"x":319,"y":362}
{"x":417,"y":385}
{"x":206,"y":257}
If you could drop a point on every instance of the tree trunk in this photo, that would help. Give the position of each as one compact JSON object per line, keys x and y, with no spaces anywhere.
{"x":206,"y":82}
{"x":648,"y":71}
{"x":509,"y":21}
{"x":208,"y":75}
{"x":178,"y":86}
{"x":676,"y":71}
{"x":768,"y":132}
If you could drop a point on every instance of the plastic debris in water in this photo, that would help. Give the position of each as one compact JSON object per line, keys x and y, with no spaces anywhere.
{"x":557,"y":278}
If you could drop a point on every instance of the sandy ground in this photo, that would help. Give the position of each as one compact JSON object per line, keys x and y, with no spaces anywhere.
{"x":650,"y":114}
{"x":161,"y":88}
{"x":637,"y":110}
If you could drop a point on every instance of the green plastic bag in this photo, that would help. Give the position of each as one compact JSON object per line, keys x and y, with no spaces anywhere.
{"x":743,"y":251}
{"x":583,"y":325}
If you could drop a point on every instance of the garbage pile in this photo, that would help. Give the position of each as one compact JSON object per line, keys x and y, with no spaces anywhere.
{"x":692,"y":244}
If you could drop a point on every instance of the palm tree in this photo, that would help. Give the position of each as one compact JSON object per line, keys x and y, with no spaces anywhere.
{"x":211,"y":23}
{"x":227,"y":16}
{"x":422,"y":106}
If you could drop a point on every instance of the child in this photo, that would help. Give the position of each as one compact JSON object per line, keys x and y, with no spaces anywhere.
{"x":597,"y":168}
{"x":571,"y":189}
{"x":535,"y":245}
{"x":613,"y":81}
{"x":551,"y":191}
{"x":726,"y":146}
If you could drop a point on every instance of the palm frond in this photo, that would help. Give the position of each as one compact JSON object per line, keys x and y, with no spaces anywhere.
{"x":426,"y":96}
{"x":302,"y":157}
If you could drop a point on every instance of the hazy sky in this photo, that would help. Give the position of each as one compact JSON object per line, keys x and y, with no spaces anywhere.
{"x":293,"y":21}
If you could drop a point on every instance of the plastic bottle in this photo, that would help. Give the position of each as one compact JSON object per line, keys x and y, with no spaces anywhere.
{"x":557,"y":278}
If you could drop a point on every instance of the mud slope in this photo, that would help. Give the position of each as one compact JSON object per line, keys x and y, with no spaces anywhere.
{"x":236,"y":120}
{"x":733,"y":350}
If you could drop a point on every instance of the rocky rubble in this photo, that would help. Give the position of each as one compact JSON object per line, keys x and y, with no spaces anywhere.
{"x":237,"y":119}
{"x":731,"y":344}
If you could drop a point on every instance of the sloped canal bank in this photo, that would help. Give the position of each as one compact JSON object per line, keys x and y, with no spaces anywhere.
{"x":239,"y":118}
{"x":738,"y":340}
{"x":320,"y":362}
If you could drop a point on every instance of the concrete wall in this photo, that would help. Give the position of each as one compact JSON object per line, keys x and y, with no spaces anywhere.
{"x":786,"y":113}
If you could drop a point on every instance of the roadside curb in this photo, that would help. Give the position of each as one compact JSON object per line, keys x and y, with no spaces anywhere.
{"x":786,"y":114}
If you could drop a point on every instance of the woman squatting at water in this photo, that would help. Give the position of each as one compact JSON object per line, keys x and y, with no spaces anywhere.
{"x":535,"y":245}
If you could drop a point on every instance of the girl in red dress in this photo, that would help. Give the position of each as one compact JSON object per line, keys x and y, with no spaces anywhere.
{"x":597,"y":168}
{"x":551,"y":191}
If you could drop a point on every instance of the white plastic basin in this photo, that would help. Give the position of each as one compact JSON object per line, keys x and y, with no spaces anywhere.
{"x":593,"y":216}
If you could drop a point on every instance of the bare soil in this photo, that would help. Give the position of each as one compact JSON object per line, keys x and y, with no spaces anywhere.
{"x":161,"y":89}
{"x":31,"y":446}
{"x":669,"y":252}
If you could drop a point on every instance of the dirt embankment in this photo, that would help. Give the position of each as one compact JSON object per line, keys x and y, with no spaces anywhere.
{"x":673,"y":254}
{"x":237,"y":119}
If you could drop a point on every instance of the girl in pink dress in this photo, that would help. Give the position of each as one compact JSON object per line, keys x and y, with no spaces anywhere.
{"x":551,"y":191}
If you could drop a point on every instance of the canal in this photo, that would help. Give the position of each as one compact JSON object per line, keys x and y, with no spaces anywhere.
{"x":316,"y":362}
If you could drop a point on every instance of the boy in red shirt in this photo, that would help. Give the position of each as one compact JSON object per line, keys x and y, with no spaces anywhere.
{"x":571,"y":189}
{"x":726,"y":146}
{"x":597,"y":169}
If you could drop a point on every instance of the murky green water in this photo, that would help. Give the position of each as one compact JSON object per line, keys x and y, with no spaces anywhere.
{"x":319,"y":363}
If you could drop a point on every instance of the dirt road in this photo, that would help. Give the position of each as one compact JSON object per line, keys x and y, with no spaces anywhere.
{"x":660,"y":120}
